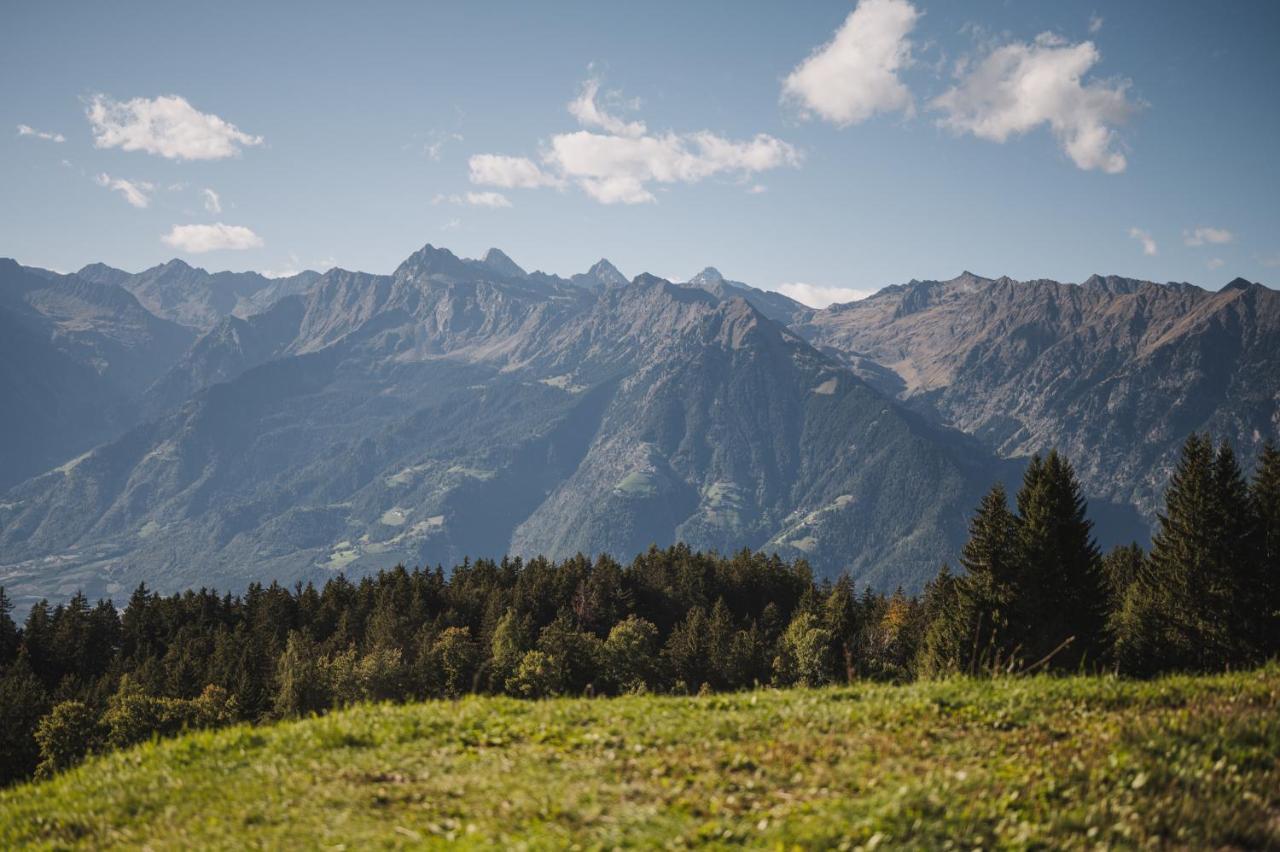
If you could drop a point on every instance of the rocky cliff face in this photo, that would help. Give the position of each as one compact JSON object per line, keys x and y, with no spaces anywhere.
{"x":455,"y":408}
{"x":460,"y":407}
{"x":198,"y":299}
{"x":1115,"y":372}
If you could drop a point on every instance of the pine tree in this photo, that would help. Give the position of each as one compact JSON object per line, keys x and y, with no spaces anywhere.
{"x":1059,"y":594}
{"x":23,"y":701}
{"x":1264,"y":497}
{"x":8,"y":631}
{"x":972,"y":628}
{"x":1185,"y":610}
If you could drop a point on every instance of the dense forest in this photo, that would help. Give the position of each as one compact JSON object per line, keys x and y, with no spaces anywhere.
{"x":1035,"y":594}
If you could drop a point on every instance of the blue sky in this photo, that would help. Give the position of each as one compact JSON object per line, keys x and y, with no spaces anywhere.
{"x":806,"y":146}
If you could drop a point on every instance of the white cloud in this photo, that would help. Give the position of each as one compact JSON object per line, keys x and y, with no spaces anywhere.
{"x":1203,"y":236}
{"x":509,"y":172}
{"x":1148,"y":242}
{"x":855,"y":75}
{"x":757,"y":189}
{"x":28,"y":130}
{"x":619,"y":167}
{"x":817,"y":296}
{"x":1095,"y":23}
{"x":451,"y":225}
{"x":1215,"y":263}
{"x":212,"y":202}
{"x":589,"y":114}
{"x":201,"y":238}
{"x":1018,"y":87}
{"x":474,"y":199}
{"x":167,"y":125}
{"x":134,"y":192}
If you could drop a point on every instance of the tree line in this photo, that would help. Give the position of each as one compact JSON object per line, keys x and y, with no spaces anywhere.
{"x":1035,"y":594}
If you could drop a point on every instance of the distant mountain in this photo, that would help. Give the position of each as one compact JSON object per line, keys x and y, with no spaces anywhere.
{"x":196,"y":298}
{"x":1115,"y":372}
{"x":74,"y":353}
{"x":454,"y":408}
{"x":461,"y":407}
{"x":775,"y":306}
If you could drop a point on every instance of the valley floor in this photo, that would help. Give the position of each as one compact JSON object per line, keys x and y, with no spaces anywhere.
{"x":1073,"y":762}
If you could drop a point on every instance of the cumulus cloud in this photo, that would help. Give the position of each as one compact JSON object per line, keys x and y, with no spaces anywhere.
{"x":618,"y":169}
{"x":136,"y":193}
{"x":855,"y":75}
{"x":212,"y":202}
{"x":28,"y":130}
{"x":818,"y":296}
{"x":196,"y":239}
{"x":590,"y":114}
{"x":621,"y":165}
{"x":1207,"y":236}
{"x":1019,"y":87}
{"x":509,"y":172}
{"x":474,"y":199}
{"x":1149,"y":247}
{"x":167,"y":125}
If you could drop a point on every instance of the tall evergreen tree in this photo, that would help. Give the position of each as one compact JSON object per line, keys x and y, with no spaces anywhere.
{"x":1059,"y":593}
{"x":8,"y":631}
{"x":972,"y":626}
{"x":1185,"y":611}
{"x":1264,"y":497}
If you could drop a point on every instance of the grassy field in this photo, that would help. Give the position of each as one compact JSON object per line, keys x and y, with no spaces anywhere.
{"x":1081,"y":762}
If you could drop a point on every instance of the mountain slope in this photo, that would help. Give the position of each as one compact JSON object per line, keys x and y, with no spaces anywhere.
{"x":198,"y":299}
{"x":75,"y":352}
{"x":451,"y":409}
{"x":1115,"y":372}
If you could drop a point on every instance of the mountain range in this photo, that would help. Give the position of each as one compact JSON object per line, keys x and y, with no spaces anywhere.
{"x":185,"y":428}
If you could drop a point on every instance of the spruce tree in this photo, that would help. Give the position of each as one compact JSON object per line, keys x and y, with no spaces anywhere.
{"x":1264,"y":497}
{"x":1186,"y":610}
{"x":1059,"y":594}
{"x":970,"y":627}
{"x":8,"y":631}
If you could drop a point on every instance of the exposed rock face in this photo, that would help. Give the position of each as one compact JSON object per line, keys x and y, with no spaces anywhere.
{"x":197,"y":299}
{"x":1115,"y":372}
{"x":458,"y":407}
{"x":454,"y":408}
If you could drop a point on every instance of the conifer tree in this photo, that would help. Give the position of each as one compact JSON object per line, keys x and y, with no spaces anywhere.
{"x":8,"y":631}
{"x":1059,"y":594}
{"x":23,"y":701}
{"x":1264,"y":497}
{"x":1187,"y":610}
{"x":969,"y":627}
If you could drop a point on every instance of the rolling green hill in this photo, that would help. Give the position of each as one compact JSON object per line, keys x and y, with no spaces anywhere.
{"x":1072,"y":762}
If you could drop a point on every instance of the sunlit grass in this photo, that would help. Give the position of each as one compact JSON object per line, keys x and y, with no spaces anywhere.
{"x":1077,"y":762}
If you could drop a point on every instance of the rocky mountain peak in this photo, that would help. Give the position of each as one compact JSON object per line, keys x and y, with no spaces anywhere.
{"x":498,"y":261}
{"x":707,"y":277}
{"x":606,"y":273}
{"x":430,"y":260}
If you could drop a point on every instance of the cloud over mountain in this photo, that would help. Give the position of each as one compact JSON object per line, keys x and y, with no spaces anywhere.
{"x":201,"y":238}
{"x":621,"y":165}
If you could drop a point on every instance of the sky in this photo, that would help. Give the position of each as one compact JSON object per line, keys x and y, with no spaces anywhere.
{"x":823,"y":149}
